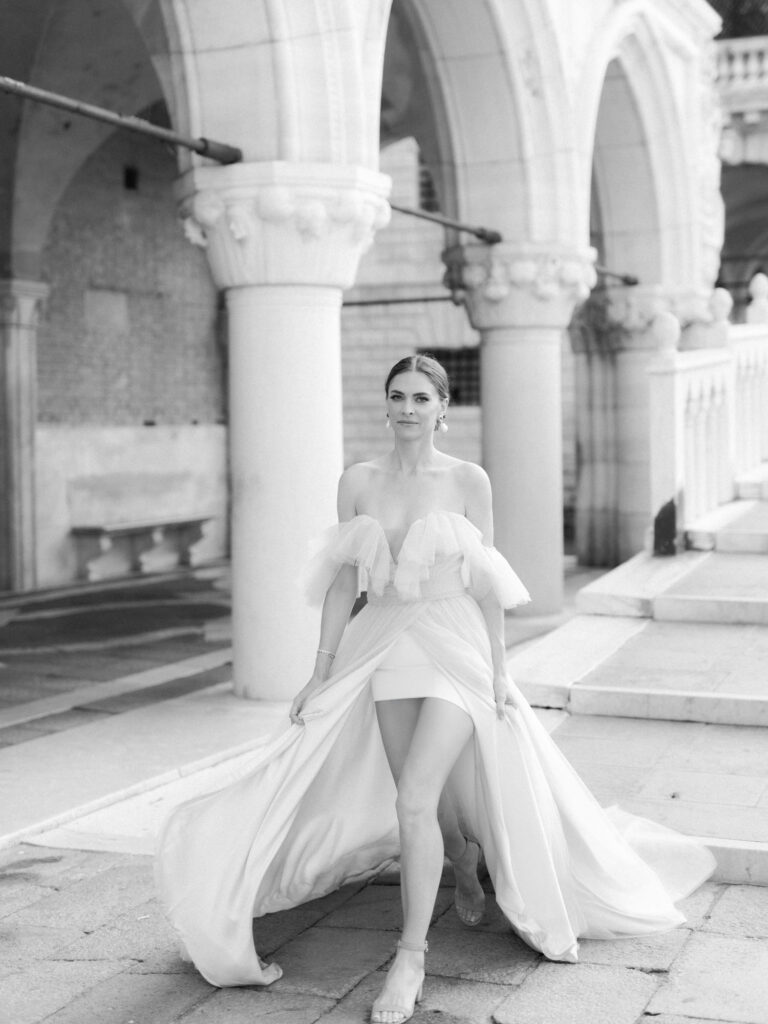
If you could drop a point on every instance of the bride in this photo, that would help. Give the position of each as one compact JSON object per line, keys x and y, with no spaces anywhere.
{"x":410,"y":741}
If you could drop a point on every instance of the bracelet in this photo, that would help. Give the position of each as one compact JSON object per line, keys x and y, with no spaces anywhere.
{"x":330,"y":654}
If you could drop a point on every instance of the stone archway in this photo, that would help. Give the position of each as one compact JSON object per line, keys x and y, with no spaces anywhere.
{"x":657,"y":215}
{"x":43,"y":152}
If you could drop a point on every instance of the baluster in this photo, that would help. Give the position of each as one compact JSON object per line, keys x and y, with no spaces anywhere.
{"x":690,"y":460}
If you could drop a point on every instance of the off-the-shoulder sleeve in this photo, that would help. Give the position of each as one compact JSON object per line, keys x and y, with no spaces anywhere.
{"x":360,"y":542}
{"x":486,"y":569}
{"x":446,"y":534}
{"x":490,"y":571}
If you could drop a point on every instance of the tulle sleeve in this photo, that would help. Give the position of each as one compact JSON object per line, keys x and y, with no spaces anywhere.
{"x":486,"y":570}
{"x":448,"y":534}
{"x":490,"y":571}
{"x":360,"y":542}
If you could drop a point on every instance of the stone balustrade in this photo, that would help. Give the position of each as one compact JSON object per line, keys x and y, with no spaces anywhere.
{"x":709,"y":419}
{"x":742,"y":64}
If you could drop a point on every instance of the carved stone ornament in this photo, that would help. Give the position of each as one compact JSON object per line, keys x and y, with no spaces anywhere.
{"x":259,"y":230}
{"x":22,"y":303}
{"x":487,"y":276}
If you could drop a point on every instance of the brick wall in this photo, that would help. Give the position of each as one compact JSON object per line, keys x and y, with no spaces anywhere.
{"x":130,"y":332}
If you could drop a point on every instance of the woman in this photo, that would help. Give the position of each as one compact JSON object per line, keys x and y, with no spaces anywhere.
{"x":410,"y":740}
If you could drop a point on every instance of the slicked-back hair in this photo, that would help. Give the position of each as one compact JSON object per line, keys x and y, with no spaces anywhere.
{"x":427,"y":365}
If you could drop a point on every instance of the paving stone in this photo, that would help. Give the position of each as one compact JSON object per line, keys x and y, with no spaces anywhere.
{"x":330,"y":961}
{"x":21,"y":943}
{"x":17,"y":893}
{"x":134,"y":936}
{"x":500,"y":959}
{"x":274,"y":930}
{"x":719,"y":978}
{"x":250,"y":1005}
{"x":578,"y":994}
{"x":25,"y":1000}
{"x":645,"y":953}
{"x":91,"y":902}
{"x":446,"y":1001}
{"x":136,"y":999}
{"x":55,"y":868}
{"x":665,"y":1018}
{"x":493,"y":919}
{"x":379,"y":907}
{"x":697,"y":906}
{"x":742,"y":910}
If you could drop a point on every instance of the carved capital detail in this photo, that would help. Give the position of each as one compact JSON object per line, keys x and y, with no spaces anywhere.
{"x":633,"y":310}
{"x":21,"y":303}
{"x":280,"y":223}
{"x":508,"y":283}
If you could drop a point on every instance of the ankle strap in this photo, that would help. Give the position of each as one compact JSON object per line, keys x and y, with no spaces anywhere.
{"x":423,"y":948}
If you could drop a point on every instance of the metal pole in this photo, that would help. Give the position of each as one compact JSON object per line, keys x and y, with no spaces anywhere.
{"x":627,"y":279}
{"x":484,"y":234}
{"x":218,"y":151}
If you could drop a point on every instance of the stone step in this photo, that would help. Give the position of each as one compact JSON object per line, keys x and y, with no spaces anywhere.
{"x":738,"y":527}
{"x":704,"y":780}
{"x":696,"y":586}
{"x":635,"y":668}
{"x":631,"y":588}
{"x":722,"y":588}
{"x":754,"y":485}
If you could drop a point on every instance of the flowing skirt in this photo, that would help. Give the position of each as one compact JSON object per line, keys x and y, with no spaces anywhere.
{"x":314,"y":808}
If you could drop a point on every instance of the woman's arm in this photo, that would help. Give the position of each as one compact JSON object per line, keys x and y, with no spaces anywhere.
{"x":337,"y":606}
{"x":479,"y":510}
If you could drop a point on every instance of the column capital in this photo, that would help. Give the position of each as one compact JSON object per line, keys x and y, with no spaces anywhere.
{"x":21,"y":302}
{"x":279,"y":223}
{"x":519,"y":284}
{"x":623,"y":318}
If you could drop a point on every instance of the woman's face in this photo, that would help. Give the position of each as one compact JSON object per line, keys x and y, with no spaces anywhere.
{"x":413,"y":404}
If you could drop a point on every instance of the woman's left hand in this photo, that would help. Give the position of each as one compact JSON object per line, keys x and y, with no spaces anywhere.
{"x":503,"y":694}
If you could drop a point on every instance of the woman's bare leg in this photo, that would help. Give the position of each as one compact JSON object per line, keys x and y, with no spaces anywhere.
{"x":397,"y":722}
{"x":441,"y":731}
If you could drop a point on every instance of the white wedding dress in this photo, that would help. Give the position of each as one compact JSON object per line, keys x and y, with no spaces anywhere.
{"x":315,"y":806}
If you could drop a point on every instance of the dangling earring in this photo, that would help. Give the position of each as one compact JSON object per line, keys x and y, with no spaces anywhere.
{"x":442,"y":425}
{"x":388,"y":424}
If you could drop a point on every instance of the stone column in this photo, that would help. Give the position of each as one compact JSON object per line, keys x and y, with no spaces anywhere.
{"x":634,"y":311}
{"x":521,"y":298}
{"x":20,"y":303}
{"x":283,"y":240}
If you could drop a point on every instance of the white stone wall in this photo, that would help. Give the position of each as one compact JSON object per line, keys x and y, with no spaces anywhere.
{"x":65,"y":454}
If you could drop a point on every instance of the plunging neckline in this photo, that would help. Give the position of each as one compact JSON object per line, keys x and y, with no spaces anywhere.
{"x":409,"y":530}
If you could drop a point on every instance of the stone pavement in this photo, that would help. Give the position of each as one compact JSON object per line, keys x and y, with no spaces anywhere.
{"x":84,"y":942}
{"x":114,"y":705}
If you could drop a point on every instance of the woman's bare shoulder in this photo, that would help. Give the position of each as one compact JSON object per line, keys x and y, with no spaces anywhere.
{"x":470,"y":476}
{"x":354,"y":483}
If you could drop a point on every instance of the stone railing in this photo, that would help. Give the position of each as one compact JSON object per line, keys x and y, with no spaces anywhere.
{"x":742,"y":64}
{"x":708,"y":416}
{"x":749,"y":344}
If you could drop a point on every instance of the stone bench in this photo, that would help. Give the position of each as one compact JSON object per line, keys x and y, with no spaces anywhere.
{"x":124,"y":523}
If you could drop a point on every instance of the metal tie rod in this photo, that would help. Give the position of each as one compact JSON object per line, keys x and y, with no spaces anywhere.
{"x":218,"y":151}
{"x":484,"y":234}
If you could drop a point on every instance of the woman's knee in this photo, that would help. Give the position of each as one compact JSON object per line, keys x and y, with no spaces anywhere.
{"x":414,"y":805}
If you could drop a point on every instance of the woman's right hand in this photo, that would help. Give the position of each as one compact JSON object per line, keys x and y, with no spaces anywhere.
{"x":301,"y":699}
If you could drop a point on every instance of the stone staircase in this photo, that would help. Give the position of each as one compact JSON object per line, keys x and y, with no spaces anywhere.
{"x":678,"y":638}
{"x":678,"y":645}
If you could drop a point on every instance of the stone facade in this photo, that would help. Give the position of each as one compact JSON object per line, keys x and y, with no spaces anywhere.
{"x":580,"y":132}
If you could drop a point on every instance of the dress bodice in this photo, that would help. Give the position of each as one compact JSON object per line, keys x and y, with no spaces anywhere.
{"x":442,"y":554}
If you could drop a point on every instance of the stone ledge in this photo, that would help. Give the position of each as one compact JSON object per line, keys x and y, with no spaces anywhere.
{"x":631,"y":588}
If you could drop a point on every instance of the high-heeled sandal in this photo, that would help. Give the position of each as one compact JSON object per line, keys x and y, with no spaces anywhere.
{"x":470,"y":913}
{"x":405,"y":1012}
